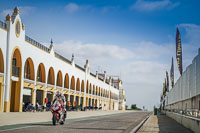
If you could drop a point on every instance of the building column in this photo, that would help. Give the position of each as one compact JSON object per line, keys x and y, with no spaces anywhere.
{"x":79,"y":100}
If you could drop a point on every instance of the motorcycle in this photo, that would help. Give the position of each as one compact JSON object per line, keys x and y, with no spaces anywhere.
{"x":55,"y":109}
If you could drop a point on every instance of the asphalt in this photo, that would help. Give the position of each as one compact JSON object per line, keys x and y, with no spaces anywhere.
{"x":110,"y":123}
{"x":162,"y":124}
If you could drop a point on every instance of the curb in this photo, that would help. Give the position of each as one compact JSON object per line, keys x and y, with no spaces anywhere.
{"x":140,"y":124}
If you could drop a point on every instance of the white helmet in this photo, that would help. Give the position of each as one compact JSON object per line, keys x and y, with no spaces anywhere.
{"x":58,"y":93}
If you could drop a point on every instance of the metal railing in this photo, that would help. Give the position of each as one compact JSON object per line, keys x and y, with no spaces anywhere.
{"x":15,"y":71}
{"x":3,"y":25}
{"x":79,"y":67}
{"x":195,"y":113}
{"x":93,"y":75}
{"x":62,"y":58}
{"x":30,"y":40}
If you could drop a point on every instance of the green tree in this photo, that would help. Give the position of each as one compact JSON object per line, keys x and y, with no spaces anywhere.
{"x":133,"y":106}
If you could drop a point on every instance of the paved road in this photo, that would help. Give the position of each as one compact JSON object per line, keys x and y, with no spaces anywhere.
{"x":118,"y":123}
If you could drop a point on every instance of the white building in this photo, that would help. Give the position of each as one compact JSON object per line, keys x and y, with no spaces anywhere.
{"x":30,"y":71}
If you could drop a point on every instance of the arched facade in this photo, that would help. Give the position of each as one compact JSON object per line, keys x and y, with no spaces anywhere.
{"x":73,"y":83}
{"x":82,"y":86}
{"x":29,"y":71}
{"x":1,"y":62}
{"x":1,"y":79}
{"x":35,"y":72}
{"x":41,"y":73}
{"x":66,"y":81}
{"x":78,"y":85}
{"x":87,"y":87}
{"x":51,"y":76}
{"x":15,"y":87}
{"x":59,"y":79}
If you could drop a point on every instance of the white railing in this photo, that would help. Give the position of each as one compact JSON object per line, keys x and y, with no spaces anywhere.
{"x":28,"y":80}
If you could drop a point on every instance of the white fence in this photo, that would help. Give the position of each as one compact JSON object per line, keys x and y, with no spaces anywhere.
{"x":188,"y":85}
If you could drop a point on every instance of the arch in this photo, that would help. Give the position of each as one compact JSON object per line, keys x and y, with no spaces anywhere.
{"x":1,"y":87}
{"x":1,"y":62}
{"x":82,"y":86}
{"x":93,"y":89}
{"x":90,"y":89}
{"x":51,"y":76}
{"x":66,"y":81}
{"x":87,"y":87}
{"x":41,"y":73}
{"x":15,"y":90}
{"x":99,"y":91}
{"x":29,"y":71}
{"x":96,"y":90}
{"x":78,"y":84}
{"x":73,"y":83}
{"x":59,"y":79}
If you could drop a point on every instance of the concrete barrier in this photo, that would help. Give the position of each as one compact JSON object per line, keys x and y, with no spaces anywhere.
{"x":187,"y":121}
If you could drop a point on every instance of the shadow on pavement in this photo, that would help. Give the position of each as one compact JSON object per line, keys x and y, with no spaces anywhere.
{"x":166,"y":124}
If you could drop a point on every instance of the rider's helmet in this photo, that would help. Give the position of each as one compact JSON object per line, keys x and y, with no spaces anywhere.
{"x":58,"y":94}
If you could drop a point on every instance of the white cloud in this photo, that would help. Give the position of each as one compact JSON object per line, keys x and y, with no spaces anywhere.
{"x":24,"y":11}
{"x":142,"y":5}
{"x":142,"y":68}
{"x":138,"y":69}
{"x":72,"y":7}
{"x":192,"y":32}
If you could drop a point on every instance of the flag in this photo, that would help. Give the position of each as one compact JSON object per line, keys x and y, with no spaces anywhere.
{"x":172,"y":73}
{"x":179,"y":51}
{"x":163,"y":89}
{"x":167,"y":76}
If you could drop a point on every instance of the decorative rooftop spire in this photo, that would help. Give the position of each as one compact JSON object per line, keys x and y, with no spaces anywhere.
{"x":8,"y":18}
{"x":51,"y":41}
{"x":16,"y":10}
{"x":72,"y":55}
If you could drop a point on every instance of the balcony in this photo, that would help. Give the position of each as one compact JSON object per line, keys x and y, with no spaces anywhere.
{"x":15,"y":71}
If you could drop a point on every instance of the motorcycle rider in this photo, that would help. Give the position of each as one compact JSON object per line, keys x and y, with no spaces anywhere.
{"x":61,"y":99}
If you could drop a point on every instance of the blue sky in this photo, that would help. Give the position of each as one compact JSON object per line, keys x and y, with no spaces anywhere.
{"x":131,"y":38}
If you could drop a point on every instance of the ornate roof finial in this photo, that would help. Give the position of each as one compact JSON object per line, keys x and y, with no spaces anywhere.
{"x":51,"y":41}
{"x":16,"y":10}
{"x":72,"y":55}
{"x":8,"y":18}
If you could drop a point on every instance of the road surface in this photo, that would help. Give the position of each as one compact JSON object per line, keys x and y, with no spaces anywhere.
{"x":116,"y":123}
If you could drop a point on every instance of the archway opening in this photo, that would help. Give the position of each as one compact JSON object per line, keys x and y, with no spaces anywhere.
{"x":16,"y":64}
{"x":29,"y":69}
{"x":82,"y":86}
{"x":59,"y":79}
{"x":1,"y":79}
{"x":51,"y":77}
{"x":1,"y":62}
{"x":90,"y":89}
{"x":87,"y":87}
{"x":78,"y":85}
{"x":93,"y":91}
{"x":41,"y":73}
{"x":66,"y":81}
{"x":73,"y":83}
